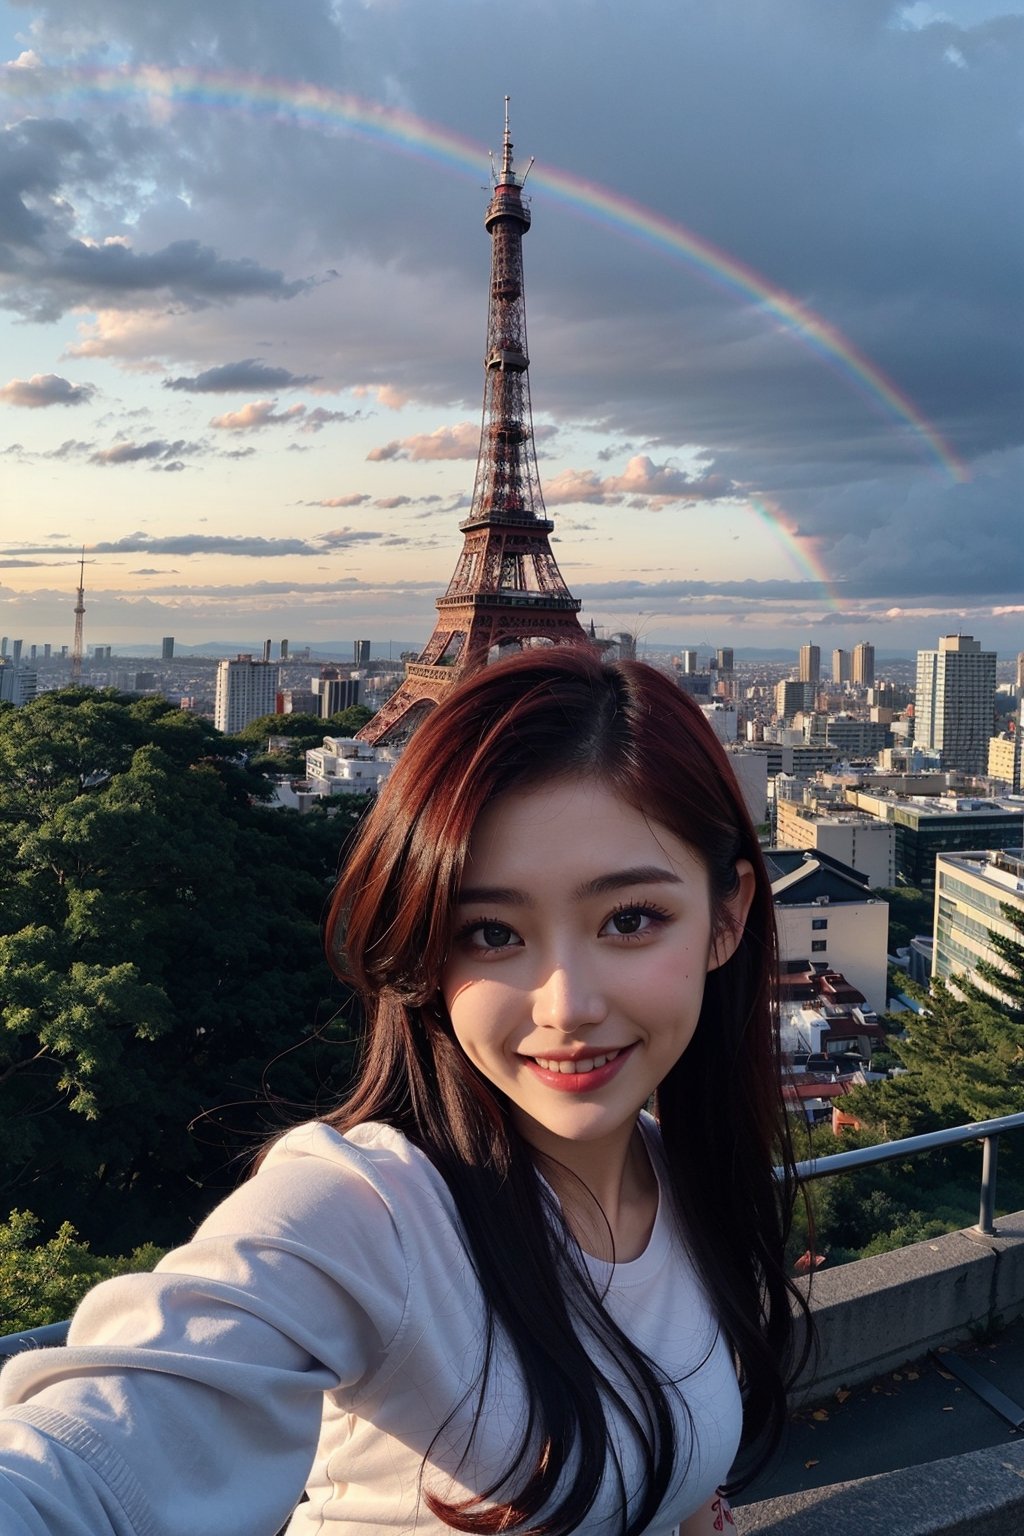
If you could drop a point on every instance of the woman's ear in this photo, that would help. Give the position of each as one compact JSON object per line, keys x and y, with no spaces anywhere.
{"x":725,"y":941}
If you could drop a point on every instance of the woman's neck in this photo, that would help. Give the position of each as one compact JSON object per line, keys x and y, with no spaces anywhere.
{"x":609,"y":1195}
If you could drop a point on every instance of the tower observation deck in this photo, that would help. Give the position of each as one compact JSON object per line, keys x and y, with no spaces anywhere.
{"x":506,"y":591}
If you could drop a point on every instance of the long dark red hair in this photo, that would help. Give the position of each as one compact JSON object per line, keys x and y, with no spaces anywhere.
{"x":542,"y":715}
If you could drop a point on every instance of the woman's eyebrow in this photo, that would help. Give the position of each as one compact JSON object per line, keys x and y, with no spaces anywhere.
{"x":481,"y":895}
{"x":641,"y":874}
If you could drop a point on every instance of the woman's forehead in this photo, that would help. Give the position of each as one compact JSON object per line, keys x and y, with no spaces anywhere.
{"x":579,"y":826}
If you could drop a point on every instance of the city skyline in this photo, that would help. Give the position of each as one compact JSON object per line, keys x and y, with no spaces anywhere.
{"x":776,"y":396}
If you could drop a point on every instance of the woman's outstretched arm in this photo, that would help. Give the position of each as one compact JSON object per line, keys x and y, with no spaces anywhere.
{"x":191,"y":1399}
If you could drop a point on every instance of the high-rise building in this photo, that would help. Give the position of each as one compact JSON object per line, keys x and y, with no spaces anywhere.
{"x":810,"y":663}
{"x":1004,"y":761}
{"x":167,"y":648}
{"x":724,"y":658}
{"x":689,"y":659}
{"x":361,"y":653}
{"x":975,"y":890}
{"x":246,"y":689}
{"x":841,"y":671}
{"x":954,"y":703}
{"x":790,"y":697}
{"x":18,"y":682}
{"x":335,"y":691}
{"x":863,"y":664}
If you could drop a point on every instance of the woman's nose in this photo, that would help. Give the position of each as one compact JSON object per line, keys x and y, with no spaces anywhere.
{"x":567,"y":999}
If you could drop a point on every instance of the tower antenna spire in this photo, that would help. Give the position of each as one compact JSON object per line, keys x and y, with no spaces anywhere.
{"x":507,"y":591}
{"x":76,"y":649}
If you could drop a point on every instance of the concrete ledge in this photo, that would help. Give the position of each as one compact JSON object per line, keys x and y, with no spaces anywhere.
{"x":875,"y":1314}
{"x":975,"y":1495}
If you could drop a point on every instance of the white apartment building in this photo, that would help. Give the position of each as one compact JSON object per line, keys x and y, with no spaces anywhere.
{"x":246,"y":689}
{"x":344,"y":766}
{"x":751,"y":770}
{"x":953,"y":707}
{"x":971,"y":890}
{"x":829,"y":918}
{"x":721,"y":717}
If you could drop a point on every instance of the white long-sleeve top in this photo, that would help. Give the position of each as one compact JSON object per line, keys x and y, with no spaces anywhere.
{"x":319,"y":1330}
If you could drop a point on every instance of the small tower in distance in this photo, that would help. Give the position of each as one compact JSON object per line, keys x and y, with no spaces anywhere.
{"x":76,"y":649}
{"x":507,"y":589}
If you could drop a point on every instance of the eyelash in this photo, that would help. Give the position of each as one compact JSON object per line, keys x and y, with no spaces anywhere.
{"x":477,"y":925}
{"x":658,"y":917}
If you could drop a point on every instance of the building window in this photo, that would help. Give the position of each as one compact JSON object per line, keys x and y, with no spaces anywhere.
{"x":818,"y":946}
{"x":819,"y":922}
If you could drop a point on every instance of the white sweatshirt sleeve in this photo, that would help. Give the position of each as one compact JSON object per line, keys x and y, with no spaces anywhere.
{"x":190,"y":1399}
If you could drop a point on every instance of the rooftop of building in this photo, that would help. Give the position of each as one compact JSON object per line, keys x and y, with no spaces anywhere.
{"x":930,"y":807}
{"x":1003,"y":868}
{"x":806,"y":877}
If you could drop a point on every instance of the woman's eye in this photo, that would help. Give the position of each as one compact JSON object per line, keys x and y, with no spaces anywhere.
{"x":630,"y":922}
{"x":492,"y":936}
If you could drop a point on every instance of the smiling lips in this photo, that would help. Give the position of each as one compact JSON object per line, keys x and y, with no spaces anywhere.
{"x":581,"y":1074}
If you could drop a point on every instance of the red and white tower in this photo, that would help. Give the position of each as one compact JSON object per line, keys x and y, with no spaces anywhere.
{"x":507,"y":590}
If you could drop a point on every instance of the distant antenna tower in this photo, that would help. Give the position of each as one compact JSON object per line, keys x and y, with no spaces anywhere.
{"x":76,"y":649}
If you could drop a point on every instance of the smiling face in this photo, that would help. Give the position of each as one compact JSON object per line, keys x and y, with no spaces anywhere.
{"x":583,"y":936}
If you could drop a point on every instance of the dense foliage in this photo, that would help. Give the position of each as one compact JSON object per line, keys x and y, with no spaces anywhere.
{"x":302,"y":732}
{"x":160,"y":963}
{"x":43,"y":1282}
{"x":910,"y":912}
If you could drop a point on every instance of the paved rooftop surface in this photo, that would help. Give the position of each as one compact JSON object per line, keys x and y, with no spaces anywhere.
{"x":921,"y":1412}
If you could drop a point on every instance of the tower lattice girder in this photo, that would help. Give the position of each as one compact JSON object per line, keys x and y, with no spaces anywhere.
{"x":507,"y":589}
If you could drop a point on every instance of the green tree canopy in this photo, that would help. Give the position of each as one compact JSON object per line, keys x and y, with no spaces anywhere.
{"x":160,"y":963}
{"x":910,"y":912}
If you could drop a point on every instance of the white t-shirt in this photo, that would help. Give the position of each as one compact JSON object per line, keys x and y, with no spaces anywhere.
{"x":318,"y":1331}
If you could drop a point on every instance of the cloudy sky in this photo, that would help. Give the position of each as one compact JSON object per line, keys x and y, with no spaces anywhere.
{"x":773,"y":291}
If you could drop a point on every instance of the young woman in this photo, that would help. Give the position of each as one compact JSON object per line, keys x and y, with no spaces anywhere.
{"x":490,"y":1292}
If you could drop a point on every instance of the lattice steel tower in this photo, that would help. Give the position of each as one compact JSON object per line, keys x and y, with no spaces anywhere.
{"x":507,"y":589}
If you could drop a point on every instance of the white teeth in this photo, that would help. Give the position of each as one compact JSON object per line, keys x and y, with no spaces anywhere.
{"x":588,"y":1064}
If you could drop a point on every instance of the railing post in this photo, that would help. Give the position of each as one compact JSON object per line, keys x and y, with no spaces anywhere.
{"x":989,"y":1162}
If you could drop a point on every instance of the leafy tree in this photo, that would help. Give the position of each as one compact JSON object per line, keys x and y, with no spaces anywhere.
{"x":42,"y":1283}
{"x":1003,"y":978}
{"x":160,"y":962}
{"x":910,"y":912}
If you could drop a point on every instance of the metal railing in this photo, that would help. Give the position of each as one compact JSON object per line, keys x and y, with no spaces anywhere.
{"x":987,"y":1132}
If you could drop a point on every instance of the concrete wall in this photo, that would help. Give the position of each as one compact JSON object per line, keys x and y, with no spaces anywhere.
{"x":876,"y":1313}
{"x":980,"y":1494}
{"x":873,"y":1316}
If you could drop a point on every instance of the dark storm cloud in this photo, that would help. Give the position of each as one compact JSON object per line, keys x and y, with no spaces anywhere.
{"x":670,"y":591}
{"x":46,"y":268}
{"x":248,"y":375}
{"x":863,"y":162}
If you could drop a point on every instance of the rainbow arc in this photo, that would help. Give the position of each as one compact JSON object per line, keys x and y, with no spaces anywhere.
{"x":314,"y":106}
